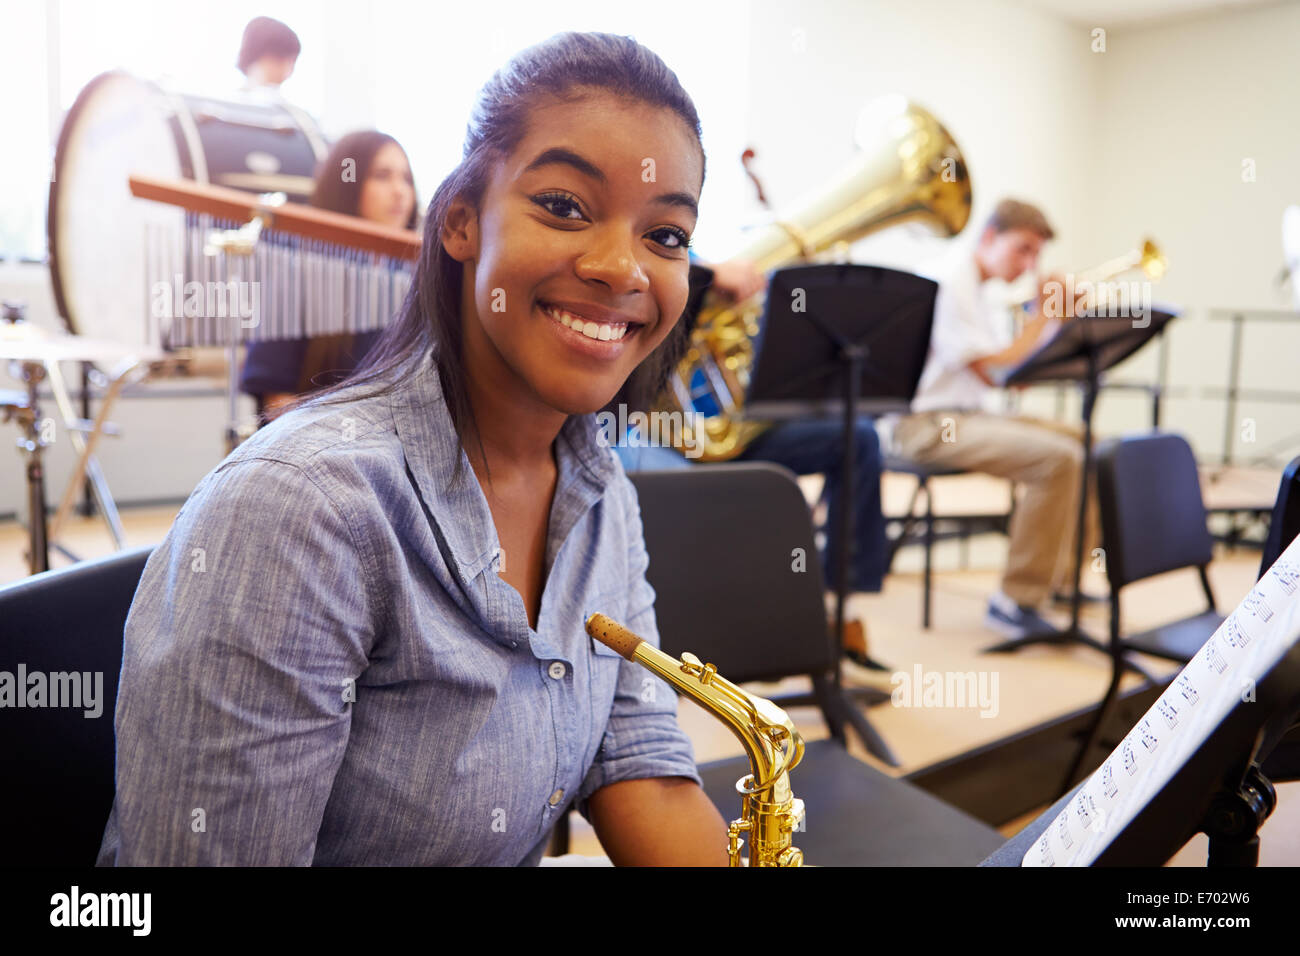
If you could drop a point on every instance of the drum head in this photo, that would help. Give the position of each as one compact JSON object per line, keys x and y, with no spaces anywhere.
{"x":118,"y":126}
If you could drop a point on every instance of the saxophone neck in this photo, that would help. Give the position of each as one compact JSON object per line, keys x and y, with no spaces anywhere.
{"x":770,"y":739}
{"x":770,"y":812}
{"x":769,"y":736}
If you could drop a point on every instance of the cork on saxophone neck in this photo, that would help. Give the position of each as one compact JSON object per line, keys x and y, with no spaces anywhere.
{"x":613,"y":635}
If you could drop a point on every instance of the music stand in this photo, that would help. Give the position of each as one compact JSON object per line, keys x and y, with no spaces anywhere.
{"x":1079,"y":352}
{"x":699,"y":281}
{"x":1219,"y":787}
{"x":871,"y":336}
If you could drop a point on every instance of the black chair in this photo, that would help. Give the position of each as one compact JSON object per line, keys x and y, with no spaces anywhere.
{"x":1285,"y":522}
{"x":722,"y":541}
{"x":922,"y":474}
{"x":1153,"y":521}
{"x":970,"y":524}
{"x":1283,"y":762}
{"x":58,"y":762}
{"x":1283,"y":527}
{"x":733,"y":560}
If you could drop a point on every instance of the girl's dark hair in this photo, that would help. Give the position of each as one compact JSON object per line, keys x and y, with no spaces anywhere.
{"x":355,"y":154}
{"x":266,"y":37}
{"x":430,"y":319}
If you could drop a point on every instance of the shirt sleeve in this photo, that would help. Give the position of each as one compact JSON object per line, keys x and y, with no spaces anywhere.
{"x":642,"y":738}
{"x":233,"y":712}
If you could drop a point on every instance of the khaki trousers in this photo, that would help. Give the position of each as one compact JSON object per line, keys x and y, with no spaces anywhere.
{"x":1045,"y":460}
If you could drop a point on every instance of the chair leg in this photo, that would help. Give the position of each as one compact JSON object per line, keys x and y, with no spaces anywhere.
{"x":870,"y":737}
{"x":1094,"y":734}
{"x":908,"y":522}
{"x":1131,"y":665}
{"x":1205,"y":585}
{"x":838,"y":709}
{"x":1119,"y":664}
{"x":929,"y":559}
{"x":559,"y":843}
{"x":824,"y":693}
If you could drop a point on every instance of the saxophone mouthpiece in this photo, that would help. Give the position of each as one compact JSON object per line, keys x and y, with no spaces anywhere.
{"x":613,"y":635}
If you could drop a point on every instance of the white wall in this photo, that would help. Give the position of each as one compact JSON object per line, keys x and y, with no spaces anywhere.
{"x":1008,"y":82}
{"x":1180,"y":107}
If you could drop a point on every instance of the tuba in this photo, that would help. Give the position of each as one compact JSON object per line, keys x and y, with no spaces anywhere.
{"x":910,"y":170}
{"x":770,"y":812}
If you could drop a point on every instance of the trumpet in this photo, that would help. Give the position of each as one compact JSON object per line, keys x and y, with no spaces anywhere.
{"x":1148,"y":257}
{"x":770,"y":812}
{"x":1095,"y":283}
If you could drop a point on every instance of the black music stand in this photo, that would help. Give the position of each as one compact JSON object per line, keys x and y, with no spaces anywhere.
{"x":1220,"y":790}
{"x":1080,"y":351}
{"x":872,"y":336}
{"x":699,"y":281}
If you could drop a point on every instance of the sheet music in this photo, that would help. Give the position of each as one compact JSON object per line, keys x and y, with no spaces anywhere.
{"x":1246,"y":646}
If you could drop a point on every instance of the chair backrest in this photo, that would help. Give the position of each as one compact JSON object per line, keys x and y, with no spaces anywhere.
{"x":735,"y":569}
{"x":57,"y":761}
{"x":1285,"y":523}
{"x":1153,"y":517}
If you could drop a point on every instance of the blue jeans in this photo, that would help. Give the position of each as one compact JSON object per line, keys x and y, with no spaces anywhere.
{"x":809,"y":447}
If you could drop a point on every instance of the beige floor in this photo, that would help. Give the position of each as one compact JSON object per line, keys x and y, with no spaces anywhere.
{"x":1034,"y":684}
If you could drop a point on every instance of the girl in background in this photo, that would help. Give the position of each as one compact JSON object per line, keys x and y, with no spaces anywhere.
{"x":366,"y":174}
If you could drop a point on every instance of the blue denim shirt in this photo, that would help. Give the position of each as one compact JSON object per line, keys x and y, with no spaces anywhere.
{"x":323,"y":665}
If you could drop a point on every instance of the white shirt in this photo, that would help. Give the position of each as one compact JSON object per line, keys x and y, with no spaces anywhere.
{"x":968,"y":324}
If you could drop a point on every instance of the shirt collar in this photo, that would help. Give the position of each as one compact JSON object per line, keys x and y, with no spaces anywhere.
{"x":433,"y":453}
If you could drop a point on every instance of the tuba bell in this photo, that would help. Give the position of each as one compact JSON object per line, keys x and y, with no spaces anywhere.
{"x":910,"y":170}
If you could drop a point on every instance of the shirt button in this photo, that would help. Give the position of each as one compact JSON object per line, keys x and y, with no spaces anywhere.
{"x":556,"y":797}
{"x":557,"y":670}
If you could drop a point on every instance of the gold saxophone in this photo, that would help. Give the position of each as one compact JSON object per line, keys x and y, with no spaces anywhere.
{"x":770,"y":812}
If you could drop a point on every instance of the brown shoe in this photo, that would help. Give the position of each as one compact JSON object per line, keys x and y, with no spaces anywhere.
{"x":854,"y":641}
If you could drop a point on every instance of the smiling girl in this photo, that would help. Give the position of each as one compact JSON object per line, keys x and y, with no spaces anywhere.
{"x":362,"y":640}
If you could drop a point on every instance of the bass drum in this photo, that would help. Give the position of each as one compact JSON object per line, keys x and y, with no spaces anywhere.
{"x":121,"y":125}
